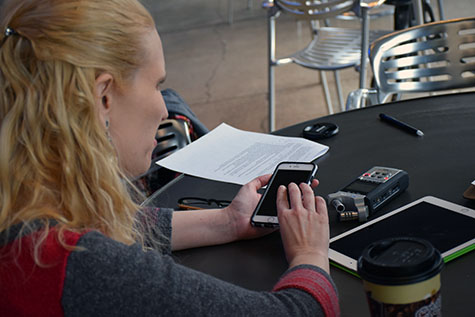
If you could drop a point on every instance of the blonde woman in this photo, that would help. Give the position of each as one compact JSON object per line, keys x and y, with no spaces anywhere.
{"x":79,"y":106}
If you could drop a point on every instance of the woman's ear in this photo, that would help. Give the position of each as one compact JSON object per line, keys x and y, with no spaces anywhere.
{"x":103,"y":93}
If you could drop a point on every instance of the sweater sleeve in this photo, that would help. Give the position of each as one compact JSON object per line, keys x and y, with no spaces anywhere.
{"x":110,"y":278}
{"x":316,"y":282}
{"x":157,"y":225}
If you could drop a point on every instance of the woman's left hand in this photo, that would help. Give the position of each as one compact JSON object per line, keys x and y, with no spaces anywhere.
{"x":241,"y":208}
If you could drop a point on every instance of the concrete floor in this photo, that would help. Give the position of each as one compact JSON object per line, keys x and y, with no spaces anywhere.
{"x":220,"y":68}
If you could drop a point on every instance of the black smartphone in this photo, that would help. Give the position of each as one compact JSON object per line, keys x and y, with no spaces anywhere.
{"x":265,"y":214}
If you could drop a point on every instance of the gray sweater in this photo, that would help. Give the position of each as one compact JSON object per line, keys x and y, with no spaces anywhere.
{"x":109,"y":278}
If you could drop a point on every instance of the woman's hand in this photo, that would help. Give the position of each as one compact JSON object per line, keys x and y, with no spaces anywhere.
{"x":197,"y":228}
{"x":303,"y":226}
{"x":241,"y":208}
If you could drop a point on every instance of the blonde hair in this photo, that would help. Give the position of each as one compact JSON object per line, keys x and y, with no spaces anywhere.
{"x":56,"y":162}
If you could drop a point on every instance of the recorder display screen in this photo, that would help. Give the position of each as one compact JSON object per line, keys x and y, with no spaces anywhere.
{"x":360,"y":187}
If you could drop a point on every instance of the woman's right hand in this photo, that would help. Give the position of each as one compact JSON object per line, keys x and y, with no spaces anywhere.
{"x":303,"y":226}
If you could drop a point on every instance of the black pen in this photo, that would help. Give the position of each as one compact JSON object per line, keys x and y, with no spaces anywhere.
{"x":404,"y":126}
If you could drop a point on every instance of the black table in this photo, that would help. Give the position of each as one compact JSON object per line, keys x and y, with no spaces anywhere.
{"x":441,"y":164}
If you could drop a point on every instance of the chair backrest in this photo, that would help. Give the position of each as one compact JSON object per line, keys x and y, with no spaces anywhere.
{"x":316,"y":9}
{"x":171,"y":136}
{"x":425,"y":58}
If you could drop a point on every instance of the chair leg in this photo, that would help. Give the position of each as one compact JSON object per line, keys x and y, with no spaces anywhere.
{"x":271,"y":65}
{"x":418,"y":12}
{"x":326,"y":91}
{"x":441,"y":9}
{"x":271,"y":98}
{"x":339,"y":90}
{"x":364,"y":47}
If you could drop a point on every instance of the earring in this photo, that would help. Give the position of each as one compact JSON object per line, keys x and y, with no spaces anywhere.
{"x":104,"y":101}
{"x":107,"y":131}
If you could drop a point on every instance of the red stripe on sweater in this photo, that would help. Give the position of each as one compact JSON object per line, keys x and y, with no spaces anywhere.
{"x":27,"y":289}
{"x":314,"y":283}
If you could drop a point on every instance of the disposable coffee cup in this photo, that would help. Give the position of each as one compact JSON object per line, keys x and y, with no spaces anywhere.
{"x":401,"y":277}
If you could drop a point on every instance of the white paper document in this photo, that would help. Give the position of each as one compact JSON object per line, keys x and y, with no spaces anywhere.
{"x":235,"y":156}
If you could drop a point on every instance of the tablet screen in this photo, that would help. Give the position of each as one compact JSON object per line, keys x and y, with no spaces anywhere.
{"x":443,"y":227}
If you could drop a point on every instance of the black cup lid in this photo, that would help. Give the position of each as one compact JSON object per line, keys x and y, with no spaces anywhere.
{"x":401,"y":260}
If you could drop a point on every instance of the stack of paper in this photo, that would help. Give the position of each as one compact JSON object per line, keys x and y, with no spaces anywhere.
{"x":230,"y":155}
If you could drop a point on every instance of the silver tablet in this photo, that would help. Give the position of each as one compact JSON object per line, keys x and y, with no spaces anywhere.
{"x":449,"y":227}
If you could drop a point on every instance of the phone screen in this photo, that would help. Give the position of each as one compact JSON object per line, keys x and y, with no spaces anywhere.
{"x":283,"y":177}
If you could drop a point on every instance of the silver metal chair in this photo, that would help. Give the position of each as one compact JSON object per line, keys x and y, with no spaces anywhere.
{"x":331,"y":48}
{"x":426,"y":58}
